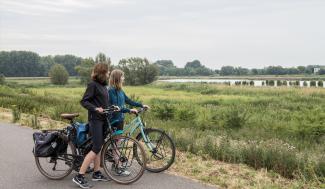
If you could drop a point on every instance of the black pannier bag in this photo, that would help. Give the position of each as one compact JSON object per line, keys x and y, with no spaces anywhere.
{"x":48,"y":144}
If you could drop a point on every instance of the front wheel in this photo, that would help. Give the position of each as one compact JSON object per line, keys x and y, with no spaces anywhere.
{"x":119,"y":161}
{"x":160,"y":149}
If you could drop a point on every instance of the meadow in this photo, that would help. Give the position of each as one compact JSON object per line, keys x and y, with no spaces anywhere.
{"x":280,"y":129}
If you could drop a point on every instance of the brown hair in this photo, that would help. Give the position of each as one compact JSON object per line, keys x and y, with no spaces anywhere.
{"x":115,"y":79}
{"x":99,"y":73}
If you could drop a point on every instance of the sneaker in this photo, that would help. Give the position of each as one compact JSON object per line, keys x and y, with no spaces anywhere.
{"x":98,"y":176}
{"x":81,"y":181}
{"x":118,"y":171}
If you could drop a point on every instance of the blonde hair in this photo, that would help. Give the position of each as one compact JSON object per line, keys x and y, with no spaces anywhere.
{"x":99,"y":72}
{"x":115,"y":79}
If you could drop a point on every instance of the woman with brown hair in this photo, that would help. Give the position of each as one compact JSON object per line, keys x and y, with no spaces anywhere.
{"x":95,"y":99}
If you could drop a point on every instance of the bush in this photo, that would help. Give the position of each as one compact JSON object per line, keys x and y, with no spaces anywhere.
{"x":313,"y":83}
{"x":305,"y":84}
{"x":163,"y":109}
{"x":235,"y":118}
{"x":285,"y":83}
{"x":58,"y":74}
{"x":271,"y":82}
{"x":251,"y":83}
{"x":320,"y":84}
{"x":2,"y":79}
{"x":278,"y":83}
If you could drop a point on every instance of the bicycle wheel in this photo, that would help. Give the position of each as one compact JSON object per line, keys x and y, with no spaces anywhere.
{"x":58,"y":167}
{"x":162,"y":156}
{"x":119,"y":162}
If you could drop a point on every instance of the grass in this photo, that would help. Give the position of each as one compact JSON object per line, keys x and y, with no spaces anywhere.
{"x":279,"y":129}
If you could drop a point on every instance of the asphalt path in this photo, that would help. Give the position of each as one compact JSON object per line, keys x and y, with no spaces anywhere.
{"x":18,"y":168}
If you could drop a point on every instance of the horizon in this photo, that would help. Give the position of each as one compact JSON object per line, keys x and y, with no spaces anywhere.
{"x":250,"y":34}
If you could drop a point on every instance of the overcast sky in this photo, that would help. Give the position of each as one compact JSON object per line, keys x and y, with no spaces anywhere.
{"x":247,"y":33}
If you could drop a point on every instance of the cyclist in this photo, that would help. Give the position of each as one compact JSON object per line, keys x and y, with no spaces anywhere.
{"x":95,"y":99}
{"x":118,"y":98}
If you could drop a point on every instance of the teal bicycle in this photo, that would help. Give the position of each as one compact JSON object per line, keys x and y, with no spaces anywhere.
{"x":159,"y":146}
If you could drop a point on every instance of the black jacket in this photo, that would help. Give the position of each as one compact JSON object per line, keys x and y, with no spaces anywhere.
{"x":96,"y":96}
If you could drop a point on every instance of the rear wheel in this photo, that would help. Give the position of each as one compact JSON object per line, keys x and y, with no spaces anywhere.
{"x":162,"y":156}
{"x":119,"y":161}
{"x":57,"y":167}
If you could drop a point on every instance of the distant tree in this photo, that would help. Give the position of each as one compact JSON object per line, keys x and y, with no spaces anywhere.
{"x":102,"y":58}
{"x":20,"y":64}
{"x":58,"y":74}
{"x":301,"y":69}
{"x":84,"y":70}
{"x":194,"y":64}
{"x":47,"y":62}
{"x":69,"y":62}
{"x":2,"y":79}
{"x":138,"y":71}
{"x":227,"y":70}
{"x":321,"y":72}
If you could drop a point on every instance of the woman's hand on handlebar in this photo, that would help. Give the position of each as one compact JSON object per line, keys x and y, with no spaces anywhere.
{"x":133,"y":111}
{"x":146,"y":107}
{"x":99,"y":109}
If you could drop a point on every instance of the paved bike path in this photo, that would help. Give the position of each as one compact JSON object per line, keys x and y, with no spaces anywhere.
{"x":18,"y":169}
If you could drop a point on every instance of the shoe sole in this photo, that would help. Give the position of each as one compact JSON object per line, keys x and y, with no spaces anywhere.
{"x":84,"y":187}
{"x":103,"y":180}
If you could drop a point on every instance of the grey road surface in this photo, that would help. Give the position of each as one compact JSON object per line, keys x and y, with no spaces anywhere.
{"x":18,"y":169}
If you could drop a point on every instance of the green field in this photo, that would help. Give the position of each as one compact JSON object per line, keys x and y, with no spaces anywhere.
{"x":280,"y":129}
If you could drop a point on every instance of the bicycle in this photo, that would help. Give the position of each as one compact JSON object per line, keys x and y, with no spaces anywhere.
{"x":117,"y":154}
{"x":160,"y":148}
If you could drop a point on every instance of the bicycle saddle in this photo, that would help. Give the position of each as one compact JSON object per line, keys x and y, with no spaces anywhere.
{"x":69,"y":116}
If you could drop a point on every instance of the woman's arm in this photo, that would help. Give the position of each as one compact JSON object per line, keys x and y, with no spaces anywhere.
{"x":131,"y":102}
{"x":89,"y":94}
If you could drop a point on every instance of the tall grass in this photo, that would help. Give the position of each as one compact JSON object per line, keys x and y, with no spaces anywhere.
{"x":281,"y":129}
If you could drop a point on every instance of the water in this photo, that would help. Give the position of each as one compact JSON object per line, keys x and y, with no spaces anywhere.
{"x":257,"y":83}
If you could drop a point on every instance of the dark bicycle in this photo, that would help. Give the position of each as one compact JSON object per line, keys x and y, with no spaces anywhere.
{"x":63,"y":155}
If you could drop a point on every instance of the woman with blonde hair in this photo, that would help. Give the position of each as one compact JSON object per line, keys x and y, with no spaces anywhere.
{"x":118,"y":98}
{"x":95,"y":100}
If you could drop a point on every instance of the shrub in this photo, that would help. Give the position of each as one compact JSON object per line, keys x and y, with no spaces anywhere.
{"x":285,"y":83}
{"x":305,"y":84}
{"x":313,"y":83}
{"x":58,"y":74}
{"x":251,"y":83}
{"x":235,"y":118}
{"x":185,"y":113}
{"x":2,"y":79}
{"x":320,"y":84}
{"x":278,"y":83}
{"x":271,"y":82}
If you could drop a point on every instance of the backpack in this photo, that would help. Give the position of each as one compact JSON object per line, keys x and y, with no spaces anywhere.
{"x":81,"y":132}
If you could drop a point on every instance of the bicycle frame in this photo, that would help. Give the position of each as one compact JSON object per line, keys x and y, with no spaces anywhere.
{"x":137,"y":124}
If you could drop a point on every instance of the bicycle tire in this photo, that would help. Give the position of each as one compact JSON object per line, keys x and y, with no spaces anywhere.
{"x":107,"y":162}
{"x":54,"y":177}
{"x":172,"y":147}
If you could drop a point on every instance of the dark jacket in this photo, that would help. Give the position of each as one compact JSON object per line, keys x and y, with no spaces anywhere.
{"x":96,"y":96}
{"x":118,"y":98}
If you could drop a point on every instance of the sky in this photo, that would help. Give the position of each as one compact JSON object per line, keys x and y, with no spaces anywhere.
{"x":246,"y":33}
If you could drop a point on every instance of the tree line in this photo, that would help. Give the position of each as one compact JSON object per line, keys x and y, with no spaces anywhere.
{"x":195,"y":68}
{"x":137,"y":70}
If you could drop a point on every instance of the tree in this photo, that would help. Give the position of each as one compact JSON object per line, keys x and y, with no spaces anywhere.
{"x":227,"y":70}
{"x":47,"y":62}
{"x":138,"y":71}
{"x":2,"y":79}
{"x":101,"y":58}
{"x":321,"y":72}
{"x":20,"y":64}
{"x":69,"y":62}
{"x":84,"y":70}
{"x":58,"y":74}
